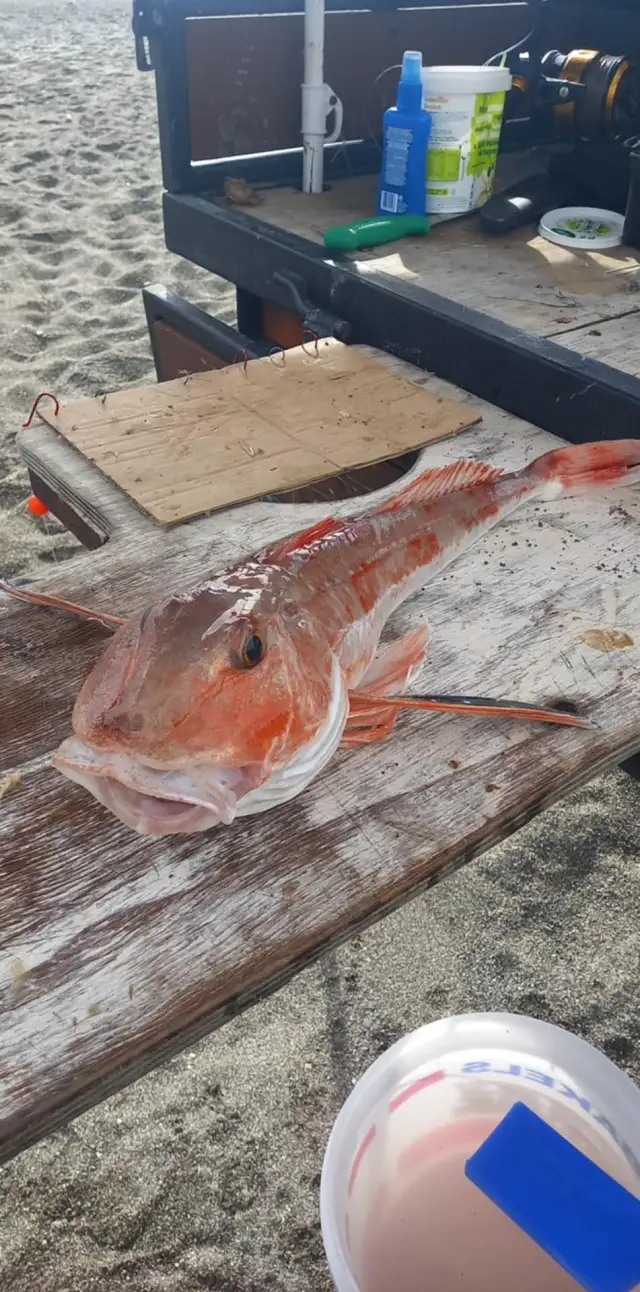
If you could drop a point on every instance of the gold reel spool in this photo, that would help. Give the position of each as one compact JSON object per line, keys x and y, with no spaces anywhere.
{"x":610,"y":99}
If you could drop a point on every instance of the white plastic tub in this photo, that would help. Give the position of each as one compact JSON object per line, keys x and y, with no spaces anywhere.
{"x":467,"y":106}
{"x":399,"y":1215}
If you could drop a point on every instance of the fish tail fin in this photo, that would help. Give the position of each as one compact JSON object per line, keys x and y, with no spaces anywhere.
{"x":581,"y":467}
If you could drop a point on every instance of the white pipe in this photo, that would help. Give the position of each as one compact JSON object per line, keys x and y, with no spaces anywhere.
{"x":314,"y":100}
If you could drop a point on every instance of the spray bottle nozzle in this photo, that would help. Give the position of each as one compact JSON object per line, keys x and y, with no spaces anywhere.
{"x":410,"y":83}
{"x":411,"y":66}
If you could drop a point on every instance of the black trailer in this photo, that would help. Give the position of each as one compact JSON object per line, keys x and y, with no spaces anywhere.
{"x":228,"y":76}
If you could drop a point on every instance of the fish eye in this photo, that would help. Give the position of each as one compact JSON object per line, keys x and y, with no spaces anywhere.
{"x":253,"y":651}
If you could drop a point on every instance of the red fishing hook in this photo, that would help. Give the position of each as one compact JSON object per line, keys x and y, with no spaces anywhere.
{"x":244,"y":357}
{"x":44,"y":394}
{"x":307,"y":331}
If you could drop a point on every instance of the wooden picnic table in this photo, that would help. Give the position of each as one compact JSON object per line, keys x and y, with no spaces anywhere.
{"x":116,"y":951}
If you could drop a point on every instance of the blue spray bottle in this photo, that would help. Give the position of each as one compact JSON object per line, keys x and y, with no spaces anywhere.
{"x":405,"y":140}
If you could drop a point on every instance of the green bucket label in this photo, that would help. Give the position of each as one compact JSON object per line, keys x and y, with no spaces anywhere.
{"x":485,"y":133}
{"x":443,"y":165}
{"x":463,"y":150}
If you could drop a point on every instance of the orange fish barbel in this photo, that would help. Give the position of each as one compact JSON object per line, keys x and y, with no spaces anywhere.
{"x":230,"y":698}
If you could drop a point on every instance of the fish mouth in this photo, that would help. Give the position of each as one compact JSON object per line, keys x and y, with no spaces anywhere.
{"x":153,"y":800}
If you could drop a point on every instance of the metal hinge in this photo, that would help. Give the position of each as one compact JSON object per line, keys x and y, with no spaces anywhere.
{"x":318,"y":321}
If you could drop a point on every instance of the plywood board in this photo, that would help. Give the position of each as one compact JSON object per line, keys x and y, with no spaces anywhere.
{"x":192,"y":446}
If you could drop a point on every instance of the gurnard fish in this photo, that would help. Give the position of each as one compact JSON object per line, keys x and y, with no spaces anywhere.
{"x":230,"y":698}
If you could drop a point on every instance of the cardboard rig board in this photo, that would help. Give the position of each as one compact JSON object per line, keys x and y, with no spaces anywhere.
{"x":182,"y":448}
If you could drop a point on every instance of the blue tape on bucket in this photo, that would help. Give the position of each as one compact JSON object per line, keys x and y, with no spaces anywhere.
{"x":572,"y":1209}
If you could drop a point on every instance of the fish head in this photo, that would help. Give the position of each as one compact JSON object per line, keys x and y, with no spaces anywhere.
{"x":196,"y":701}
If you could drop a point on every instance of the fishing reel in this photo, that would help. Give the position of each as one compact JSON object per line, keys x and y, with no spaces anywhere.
{"x":583,"y":105}
{"x":585,"y":95}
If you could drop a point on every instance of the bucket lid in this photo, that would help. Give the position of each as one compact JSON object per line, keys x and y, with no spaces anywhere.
{"x":465,"y":79}
{"x":583,"y":228}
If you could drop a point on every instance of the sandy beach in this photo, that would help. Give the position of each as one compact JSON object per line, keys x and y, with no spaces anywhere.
{"x":205,"y":1174}
{"x":80,"y":228}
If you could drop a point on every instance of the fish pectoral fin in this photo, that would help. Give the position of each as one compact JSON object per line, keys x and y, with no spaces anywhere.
{"x":58,"y":603}
{"x":372,"y":717}
{"x":369,"y":720}
{"x":396,"y":667}
{"x":482,"y":706}
{"x":372,"y":711}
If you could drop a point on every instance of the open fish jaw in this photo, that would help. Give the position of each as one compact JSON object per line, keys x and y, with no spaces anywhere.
{"x":153,"y":800}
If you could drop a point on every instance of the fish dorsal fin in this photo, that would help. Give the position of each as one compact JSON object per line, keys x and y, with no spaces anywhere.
{"x":438,"y":482}
{"x":297,"y":542}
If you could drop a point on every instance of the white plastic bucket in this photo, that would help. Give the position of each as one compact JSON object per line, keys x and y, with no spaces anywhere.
{"x":467,"y":106}
{"x":397,"y":1212}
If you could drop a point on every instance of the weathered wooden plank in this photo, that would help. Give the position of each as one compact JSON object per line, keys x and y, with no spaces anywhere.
{"x":615,"y":341}
{"x":115,"y":951}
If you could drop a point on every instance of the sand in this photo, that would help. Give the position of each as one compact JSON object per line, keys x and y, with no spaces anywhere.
{"x":80,"y":228}
{"x":205,"y":1174}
